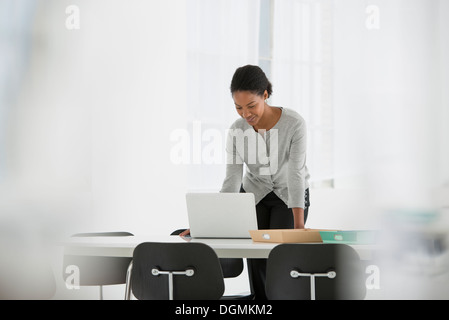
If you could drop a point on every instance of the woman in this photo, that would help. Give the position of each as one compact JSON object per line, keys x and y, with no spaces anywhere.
{"x":281,"y":192}
{"x":271,"y":142}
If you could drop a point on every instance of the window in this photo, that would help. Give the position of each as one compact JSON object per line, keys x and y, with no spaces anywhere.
{"x":291,"y":40}
{"x":222,"y":35}
{"x":266,"y":36}
{"x":301,"y":72}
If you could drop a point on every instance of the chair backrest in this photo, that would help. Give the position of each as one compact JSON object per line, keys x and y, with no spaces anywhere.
{"x":206,"y":282}
{"x":231,"y":267}
{"x":289,"y":264}
{"x":95,"y":270}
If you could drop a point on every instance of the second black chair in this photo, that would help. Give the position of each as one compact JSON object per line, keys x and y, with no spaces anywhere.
{"x":314,"y":271}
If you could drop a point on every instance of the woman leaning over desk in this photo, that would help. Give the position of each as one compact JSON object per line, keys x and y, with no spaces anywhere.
{"x":276,"y":171}
{"x":280,"y":185}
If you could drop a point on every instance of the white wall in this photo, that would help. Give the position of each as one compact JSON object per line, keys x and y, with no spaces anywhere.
{"x":387,"y":95}
{"x":93,"y":122}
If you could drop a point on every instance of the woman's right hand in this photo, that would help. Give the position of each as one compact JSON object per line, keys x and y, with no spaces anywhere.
{"x":185,"y":233}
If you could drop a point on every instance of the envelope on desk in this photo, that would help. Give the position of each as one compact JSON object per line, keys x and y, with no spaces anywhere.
{"x":287,"y":235}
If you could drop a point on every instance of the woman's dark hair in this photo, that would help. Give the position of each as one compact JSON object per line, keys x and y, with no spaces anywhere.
{"x":251,"y":78}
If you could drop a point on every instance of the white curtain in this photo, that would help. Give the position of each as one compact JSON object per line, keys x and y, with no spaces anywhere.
{"x":302,"y":74}
{"x":222,"y":35}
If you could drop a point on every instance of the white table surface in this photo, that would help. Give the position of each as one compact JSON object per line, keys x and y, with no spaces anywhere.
{"x":225,"y":248}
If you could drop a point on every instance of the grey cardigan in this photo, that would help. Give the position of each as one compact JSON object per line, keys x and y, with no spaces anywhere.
{"x":275,"y":160}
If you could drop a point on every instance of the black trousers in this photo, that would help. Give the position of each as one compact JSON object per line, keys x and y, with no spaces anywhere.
{"x":272,"y":213}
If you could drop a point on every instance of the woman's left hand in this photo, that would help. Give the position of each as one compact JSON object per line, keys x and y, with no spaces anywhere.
{"x":298,"y":218}
{"x":185,"y":233}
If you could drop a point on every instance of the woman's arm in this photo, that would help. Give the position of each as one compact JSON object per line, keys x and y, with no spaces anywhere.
{"x":298,"y":218}
{"x":296,"y":176}
{"x":234,"y":166}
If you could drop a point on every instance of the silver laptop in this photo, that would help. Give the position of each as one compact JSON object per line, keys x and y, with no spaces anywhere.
{"x":221,"y":215}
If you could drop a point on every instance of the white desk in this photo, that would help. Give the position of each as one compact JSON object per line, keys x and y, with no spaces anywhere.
{"x":225,"y":248}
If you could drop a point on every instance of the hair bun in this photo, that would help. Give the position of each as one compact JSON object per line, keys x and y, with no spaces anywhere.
{"x":251,"y":78}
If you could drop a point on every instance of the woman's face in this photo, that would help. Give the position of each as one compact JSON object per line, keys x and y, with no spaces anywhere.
{"x":250,"y":106}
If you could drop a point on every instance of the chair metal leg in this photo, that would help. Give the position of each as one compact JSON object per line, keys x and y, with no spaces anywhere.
{"x":128,"y":282}
{"x":296,"y":274}
{"x":156,"y":272}
{"x":188,"y":273}
{"x":170,"y":286}
{"x":101,"y":292}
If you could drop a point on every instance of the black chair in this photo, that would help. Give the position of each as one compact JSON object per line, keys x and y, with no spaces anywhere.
{"x":96,"y":270}
{"x":175,"y":271}
{"x":314,"y":271}
{"x":231,"y":268}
